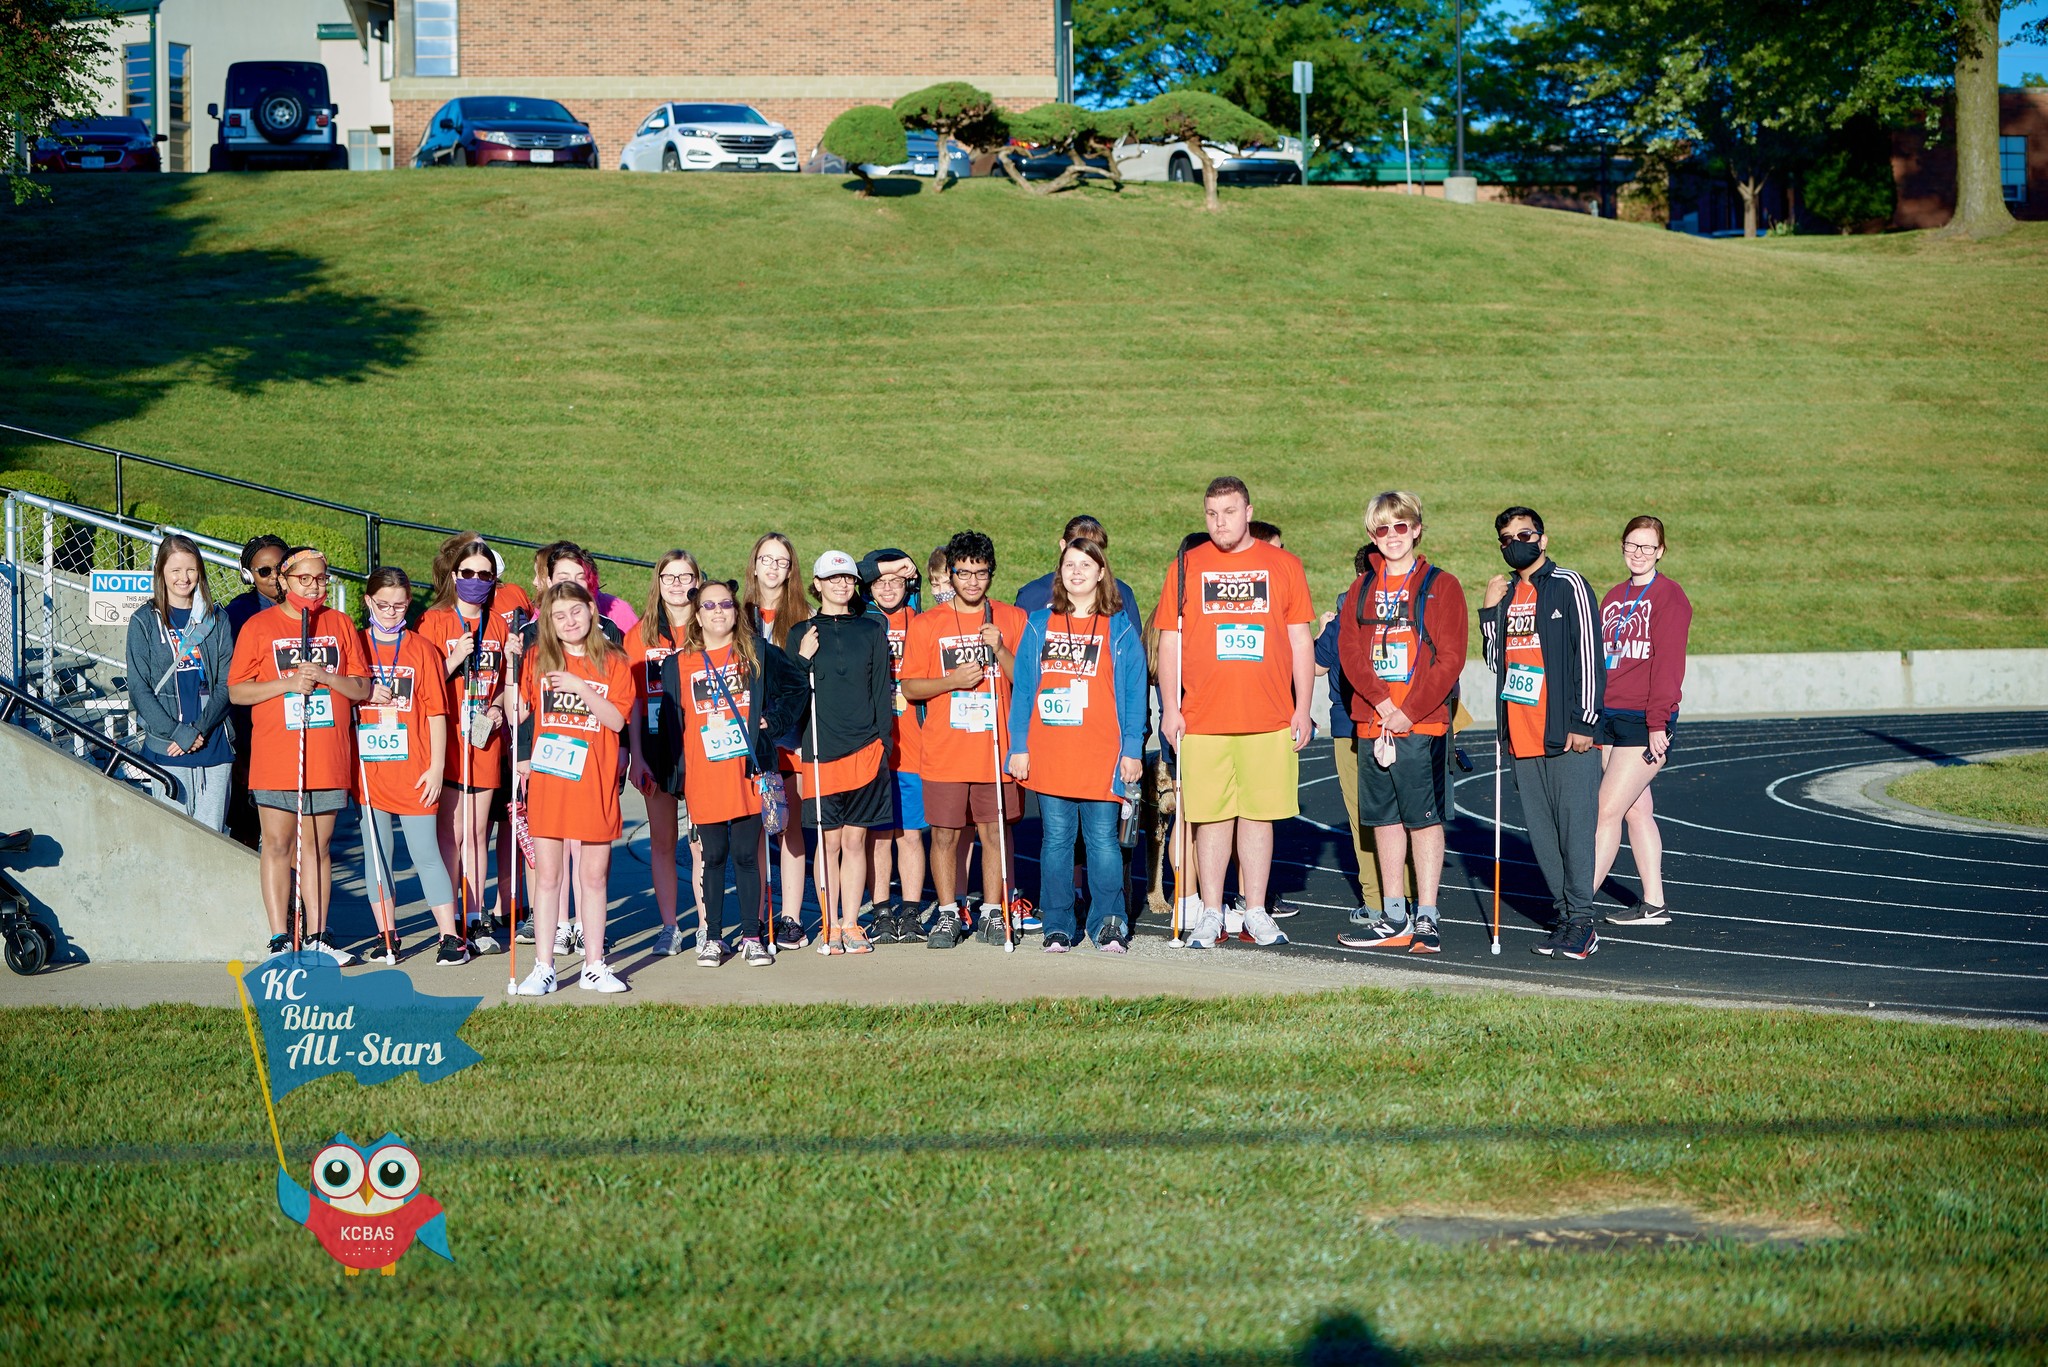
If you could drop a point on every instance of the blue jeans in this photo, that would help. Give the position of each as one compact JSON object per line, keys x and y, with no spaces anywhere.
{"x":1063,"y":819}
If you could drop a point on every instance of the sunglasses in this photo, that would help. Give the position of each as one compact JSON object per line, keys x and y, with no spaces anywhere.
{"x":1526,"y":534}
{"x":1381,"y":533}
{"x":727,"y":606}
{"x":476,"y":574}
{"x":265,"y":572}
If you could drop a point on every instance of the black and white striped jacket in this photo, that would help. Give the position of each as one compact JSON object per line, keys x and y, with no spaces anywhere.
{"x":1568,"y":628}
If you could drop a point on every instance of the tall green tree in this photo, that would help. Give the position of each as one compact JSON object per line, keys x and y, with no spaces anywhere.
{"x":1372,"y":60}
{"x":51,"y":52}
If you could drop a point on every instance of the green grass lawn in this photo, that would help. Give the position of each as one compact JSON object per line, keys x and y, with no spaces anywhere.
{"x":1130,"y":1183}
{"x":2014,"y":791}
{"x":1848,"y":438}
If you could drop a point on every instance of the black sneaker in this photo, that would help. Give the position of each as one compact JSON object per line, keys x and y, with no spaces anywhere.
{"x":883,"y":928}
{"x":910,"y":922}
{"x":381,"y":952}
{"x":1579,"y":941}
{"x":1641,"y":914}
{"x":946,"y":931}
{"x":452,"y":951}
{"x":1425,"y":940}
{"x":1547,"y":946}
{"x":1280,"y":910}
{"x":279,"y":944}
{"x":789,"y":933}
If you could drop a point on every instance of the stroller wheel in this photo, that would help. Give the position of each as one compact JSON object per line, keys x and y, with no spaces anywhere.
{"x":27,"y":951}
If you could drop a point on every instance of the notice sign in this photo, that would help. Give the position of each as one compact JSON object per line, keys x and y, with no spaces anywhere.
{"x":113,"y":596}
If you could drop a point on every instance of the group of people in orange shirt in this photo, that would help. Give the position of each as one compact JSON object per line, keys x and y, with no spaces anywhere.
{"x":747,"y":712}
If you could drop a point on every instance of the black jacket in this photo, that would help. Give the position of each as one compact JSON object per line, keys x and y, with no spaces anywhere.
{"x":778,"y":692}
{"x":849,"y":673}
{"x":1568,"y":628}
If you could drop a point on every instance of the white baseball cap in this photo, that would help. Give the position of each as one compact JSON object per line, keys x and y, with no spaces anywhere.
{"x":834,"y":563}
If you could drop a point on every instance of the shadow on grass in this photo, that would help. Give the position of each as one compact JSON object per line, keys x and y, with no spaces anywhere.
{"x":889,"y":187}
{"x":571,"y":1149}
{"x":111,"y":300}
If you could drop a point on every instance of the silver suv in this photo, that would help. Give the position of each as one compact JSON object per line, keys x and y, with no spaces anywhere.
{"x":278,"y":114}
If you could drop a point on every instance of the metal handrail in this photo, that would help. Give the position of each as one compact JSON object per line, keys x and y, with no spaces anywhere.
{"x":10,"y":697}
{"x":373,"y":522}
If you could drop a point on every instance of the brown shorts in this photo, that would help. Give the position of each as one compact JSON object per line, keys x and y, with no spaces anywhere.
{"x":948,"y":804}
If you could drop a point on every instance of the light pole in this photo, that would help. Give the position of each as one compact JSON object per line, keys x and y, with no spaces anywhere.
{"x":1458,"y":30}
{"x":1069,"y":26}
{"x":1304,"y":86}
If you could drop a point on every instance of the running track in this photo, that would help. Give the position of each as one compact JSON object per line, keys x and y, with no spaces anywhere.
{"x":1775,"y":898}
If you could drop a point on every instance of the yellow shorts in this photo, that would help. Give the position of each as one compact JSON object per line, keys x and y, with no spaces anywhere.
{"x":1257,"y":777}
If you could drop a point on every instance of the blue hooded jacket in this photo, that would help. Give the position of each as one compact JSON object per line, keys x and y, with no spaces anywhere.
{"x":1131,"y":679}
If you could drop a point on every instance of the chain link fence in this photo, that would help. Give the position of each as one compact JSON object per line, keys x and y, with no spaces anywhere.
{"x":67,"y":645}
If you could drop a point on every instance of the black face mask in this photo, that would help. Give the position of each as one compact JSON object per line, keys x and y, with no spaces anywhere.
{"x":1520,"y":555}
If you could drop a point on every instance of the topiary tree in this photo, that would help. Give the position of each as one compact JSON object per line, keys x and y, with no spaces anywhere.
{"x":1079,"y":133}
{"x":952,"y":109}
{"x":866,"y":133}
{"x":1195,"y":119}
{"x":1850,"y":191}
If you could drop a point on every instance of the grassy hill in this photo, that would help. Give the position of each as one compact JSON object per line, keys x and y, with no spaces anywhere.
{"x":1848,"y":438}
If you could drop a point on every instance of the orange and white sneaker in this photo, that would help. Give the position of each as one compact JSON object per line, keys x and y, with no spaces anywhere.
{"x":1381,"y":934}
{"x":1426,"y":940}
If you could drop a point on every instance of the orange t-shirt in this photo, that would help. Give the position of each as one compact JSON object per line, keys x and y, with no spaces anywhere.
{"x":268,"y":649}
{"x":955,"y":742}
{"x":906,"y":732}
{"x":478,"y":682}
{"x":1394,"y":642}
{"x":572,"y":790}
{"x":395,"y":742}
{"x":1522,"y":694}
{"x":646,"y":661}
{"x":841,"y":775}
{"x":1074,"y":741}
{"x":507,"y":596}
{"x":1237,"y":663}
{"x":715,"y":782}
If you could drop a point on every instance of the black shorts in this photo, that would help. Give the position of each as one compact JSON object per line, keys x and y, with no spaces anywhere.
{"x":1411,"y":793}
{"x":871,"y":804}
{"x":1628,"y":729}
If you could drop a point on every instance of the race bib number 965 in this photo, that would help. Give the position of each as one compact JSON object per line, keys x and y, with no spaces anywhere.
{"x":308,"y":711}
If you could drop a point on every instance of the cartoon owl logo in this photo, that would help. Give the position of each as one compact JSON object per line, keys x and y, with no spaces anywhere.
{"x":366,"y":1207}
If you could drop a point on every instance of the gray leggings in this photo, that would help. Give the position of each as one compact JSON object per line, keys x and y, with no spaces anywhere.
{"x":422,"y":842}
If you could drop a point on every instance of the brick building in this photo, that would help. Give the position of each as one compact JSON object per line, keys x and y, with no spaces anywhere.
{"x":611,"y":61}
{"x":1926,"y":174}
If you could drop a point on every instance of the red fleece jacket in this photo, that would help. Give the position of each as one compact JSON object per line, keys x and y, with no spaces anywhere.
{"x":1429,"y":690}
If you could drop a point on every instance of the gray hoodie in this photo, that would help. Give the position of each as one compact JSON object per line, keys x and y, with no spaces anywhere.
{"x":153,"y":687}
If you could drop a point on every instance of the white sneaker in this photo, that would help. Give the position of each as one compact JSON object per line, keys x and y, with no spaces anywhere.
{"x":324,"y":942}
{"x":1265,"y":930}
{"x":538,"y":983}
{"x":712,"y":953}
{"x":600,"y":978}
{"x":565,"y":938}
{"x":576,"y":929}
{"x":1207,"y":930}
{"x":669,"y":941}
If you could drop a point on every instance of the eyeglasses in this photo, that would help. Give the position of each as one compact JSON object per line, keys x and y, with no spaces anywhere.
{"x":1386,"y":530}
{"x":896,"y":579}
{"x":727,"y":606}
{"x":388,"y":608}
{"x":1640,"y":548}
{"x":1526,"y":534}
{"x":983,"y":575}
{"x":318,"y":581}
{"x":679,"y":581}
{"x":476,"y":574}
{"x":772,"y":562}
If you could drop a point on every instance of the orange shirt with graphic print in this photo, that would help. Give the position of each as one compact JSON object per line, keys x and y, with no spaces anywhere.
{"x":906,"y":732}
{"x":480,"y":680}
{"x":957,"y":747}
{"x":716,"y":739}
{"x":1075,"y":741}
{"x":568,"y":737}
{"x":394,"y":739}
{"x":1237,"y":663}
{"x":1523,"y":693}
{"x":267,"y":649}
{"x":1394,"y":643}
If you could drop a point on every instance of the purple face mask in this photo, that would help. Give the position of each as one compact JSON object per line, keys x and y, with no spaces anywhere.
{"x":475,"y":592}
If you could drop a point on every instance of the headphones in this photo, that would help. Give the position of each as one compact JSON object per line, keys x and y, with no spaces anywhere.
{"x":252,"y":546}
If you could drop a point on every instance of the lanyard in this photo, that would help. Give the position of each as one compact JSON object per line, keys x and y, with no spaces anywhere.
{"x":1629,"y":611}
{"x":389,"y":675}
{"x":1093,"y":639}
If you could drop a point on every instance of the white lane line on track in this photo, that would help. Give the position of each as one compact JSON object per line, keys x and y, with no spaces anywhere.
{"x":1771,"y":791}
{"x":1487,"y":820}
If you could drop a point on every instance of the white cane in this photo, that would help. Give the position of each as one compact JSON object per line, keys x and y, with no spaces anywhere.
{"x":381,"y":879}
{"x":299,"y":838}
{"x":1181,"y":828}
{"x":1496,"y":838}
{"x":512,"y":822}
{"x":995,"y":737}
{"x":818,"y":808}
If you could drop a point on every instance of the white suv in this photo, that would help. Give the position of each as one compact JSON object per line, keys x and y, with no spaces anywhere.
{"x":709,"y":137}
